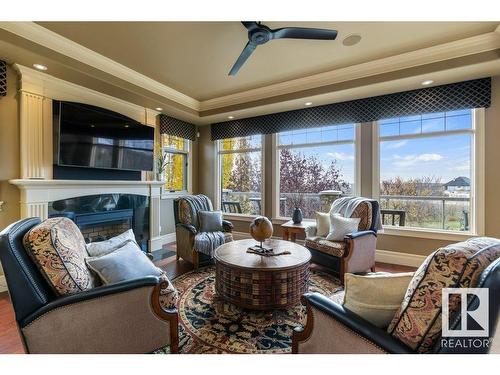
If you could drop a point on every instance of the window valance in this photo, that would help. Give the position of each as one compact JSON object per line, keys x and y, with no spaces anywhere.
{"x":172,"y":126}
{"x":468,"y":94}
{"x":3,"y":78}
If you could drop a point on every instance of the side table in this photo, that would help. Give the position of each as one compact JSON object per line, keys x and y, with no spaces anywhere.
{"x":290,"y":230}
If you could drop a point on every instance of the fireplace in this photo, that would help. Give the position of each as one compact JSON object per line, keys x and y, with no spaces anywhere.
{"x":103,"y":216}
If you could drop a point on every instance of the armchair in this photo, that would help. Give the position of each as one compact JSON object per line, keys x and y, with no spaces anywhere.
{"x":416,"y":326}
{"x":125,"y":317}
{"x":356,"y":253}
{"x":188,"y":236}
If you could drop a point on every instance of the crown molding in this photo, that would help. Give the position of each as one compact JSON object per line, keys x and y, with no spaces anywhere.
{"x":443,"y":52}
{"x":44,"y":85}
{"x":49,"y":39}
{"x":446,"y":51}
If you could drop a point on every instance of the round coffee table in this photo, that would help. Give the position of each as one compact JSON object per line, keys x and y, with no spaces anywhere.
{"x":261,"y":282}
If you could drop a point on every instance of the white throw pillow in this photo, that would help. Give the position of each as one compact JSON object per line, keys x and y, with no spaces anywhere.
{"x":97,"y":249}
{"x":340,"y":226}
{"x":322,"y":224}
{"x":377,"y":296}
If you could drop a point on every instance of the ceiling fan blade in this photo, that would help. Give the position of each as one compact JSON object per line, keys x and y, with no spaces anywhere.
{"x":245,"y":54}
{"x":250,"y":25}
{"x":304,"y":33}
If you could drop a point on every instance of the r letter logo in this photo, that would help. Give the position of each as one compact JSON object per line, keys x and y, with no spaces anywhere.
{"x":473,"y":323}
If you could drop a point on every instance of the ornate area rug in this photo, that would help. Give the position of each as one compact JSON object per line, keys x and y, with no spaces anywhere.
{"x":210,"y":325}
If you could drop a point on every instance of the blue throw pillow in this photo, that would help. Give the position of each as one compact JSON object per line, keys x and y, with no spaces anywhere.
{"x":210,"y":221}
{"x":127,"y":262}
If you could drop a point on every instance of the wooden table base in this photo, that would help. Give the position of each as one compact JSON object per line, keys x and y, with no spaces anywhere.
{"x":261,"y":289}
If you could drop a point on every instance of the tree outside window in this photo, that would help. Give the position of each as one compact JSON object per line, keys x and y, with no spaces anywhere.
{"x":176,"y":151}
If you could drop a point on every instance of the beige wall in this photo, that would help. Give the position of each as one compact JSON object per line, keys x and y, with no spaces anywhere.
{"x":411,"y":245}
{"x":9,"y":152}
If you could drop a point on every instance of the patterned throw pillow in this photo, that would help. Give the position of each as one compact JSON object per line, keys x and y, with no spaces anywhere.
{"x":418,"y":321}
{"x":58,"y":249}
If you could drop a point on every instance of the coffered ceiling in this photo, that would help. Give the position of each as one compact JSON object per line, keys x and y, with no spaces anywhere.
{"x":182,"y":66}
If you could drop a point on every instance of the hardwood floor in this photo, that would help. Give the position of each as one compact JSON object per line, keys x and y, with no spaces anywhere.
{"x":10,"y":341}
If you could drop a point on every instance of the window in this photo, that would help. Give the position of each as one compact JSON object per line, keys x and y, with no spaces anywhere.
{"x":315,"y":166}
{"x":176,"y":151}
{"x":240,"y":161}
{"x":426,"y":170}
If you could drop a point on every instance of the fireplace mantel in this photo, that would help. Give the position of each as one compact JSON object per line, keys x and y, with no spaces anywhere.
{"x":36,"y":194}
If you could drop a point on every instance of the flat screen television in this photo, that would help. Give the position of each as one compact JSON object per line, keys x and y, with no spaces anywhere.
{"x":93,"y":137}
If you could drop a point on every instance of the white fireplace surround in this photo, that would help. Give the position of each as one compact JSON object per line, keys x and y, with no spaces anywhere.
{"x":37,"y":194}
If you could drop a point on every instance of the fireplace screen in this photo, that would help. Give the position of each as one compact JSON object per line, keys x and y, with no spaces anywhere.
{"x":101,"y":217}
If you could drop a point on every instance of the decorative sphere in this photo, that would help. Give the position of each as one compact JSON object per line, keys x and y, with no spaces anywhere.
{"x":261,"y":228}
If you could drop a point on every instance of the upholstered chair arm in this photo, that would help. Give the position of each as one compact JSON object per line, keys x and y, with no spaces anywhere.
{"x":360,"y":253}
{"x":227,"y":226}
{"x":190,"y":228}
{"x":310,"y":230}
{"x":332,"y":329}
{"x":120,"y":318}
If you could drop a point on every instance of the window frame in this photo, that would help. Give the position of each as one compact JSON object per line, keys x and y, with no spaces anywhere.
{"x":218,"y":183}
{"x":187,"y":168}
{"x":277,"y":219}
{"x":477,"y":179}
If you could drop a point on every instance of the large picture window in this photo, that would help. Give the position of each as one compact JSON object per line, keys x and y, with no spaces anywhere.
{"x":315,"y":166}
{"x":176,"y":151}
{"x":426,"y":170}
{"x":240,"y":161}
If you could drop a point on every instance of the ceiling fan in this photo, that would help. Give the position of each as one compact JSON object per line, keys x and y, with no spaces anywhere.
{"x":260,"y":34}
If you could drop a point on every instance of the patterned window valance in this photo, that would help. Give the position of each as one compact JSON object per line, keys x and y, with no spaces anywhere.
{"x":179,"y":128}
{"x":468,"y":94}
{"x":3,"y":78}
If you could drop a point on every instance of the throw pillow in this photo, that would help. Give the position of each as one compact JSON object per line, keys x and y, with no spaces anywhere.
{"x":417,"y":323}
{"x":58,"y":249}
{"x":376,"y":296}
{"x":125,"y":263}
{"x":340,"y":226}
{"x":210,"y":221}
{"x":322,"y":224}
{"x":97,"y":249}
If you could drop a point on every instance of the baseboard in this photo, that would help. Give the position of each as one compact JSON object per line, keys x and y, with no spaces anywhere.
{"x":382,"y":256}
{"x":3,"y":284}
{"x":402,"y":259}
{"x":158,"y":242}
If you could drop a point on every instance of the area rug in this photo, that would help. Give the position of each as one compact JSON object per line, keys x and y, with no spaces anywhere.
{"x":210,"y":325}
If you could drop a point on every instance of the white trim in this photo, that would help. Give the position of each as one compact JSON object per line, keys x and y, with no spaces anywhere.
{"x":3,"y":284}
{"x":426,"y":233}
{"x":383,"y":256}
{"x":403,"y":259}
{"x":49,"y":39}
{"x":275,"y":180}
{"x":239,"y":217}
{"x":478,"y":176}
{"x":357,"y":159}
{"x":166,"y":239}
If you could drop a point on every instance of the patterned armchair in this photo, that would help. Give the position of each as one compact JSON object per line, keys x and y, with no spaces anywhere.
{"x":192,"y":245}
{"x":416,"y":326}
{"x":356,"y":253}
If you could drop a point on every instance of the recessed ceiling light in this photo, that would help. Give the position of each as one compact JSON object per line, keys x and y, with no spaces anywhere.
{"x":92,"y":125}
{"x":308,"y":103}
{"x":427,"y":82}
{"x":126,"y":126}
{"x":39,"y":66}
{"x":230,"y":117}
{"x":351,"y":40}
{"x":159,"y":108}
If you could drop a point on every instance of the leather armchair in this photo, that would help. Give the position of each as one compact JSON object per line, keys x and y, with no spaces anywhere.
{"x":356,"y":253}
{"x":331,"y":328}
{"x":121,"y":318}
{"x":187,"y":228}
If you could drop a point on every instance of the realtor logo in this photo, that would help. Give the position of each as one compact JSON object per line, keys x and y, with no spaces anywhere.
{"x":473,"y":323}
